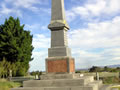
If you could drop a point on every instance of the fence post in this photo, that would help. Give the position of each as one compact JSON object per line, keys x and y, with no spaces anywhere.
{"x":10,"y":75}
{"x":97,"y":76}
{"x":119,"y":75}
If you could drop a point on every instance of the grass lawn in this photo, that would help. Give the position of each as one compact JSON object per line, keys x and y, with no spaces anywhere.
{"x":110,"y":80}
{"x":117,"y":87}
{"x":6,"y":85}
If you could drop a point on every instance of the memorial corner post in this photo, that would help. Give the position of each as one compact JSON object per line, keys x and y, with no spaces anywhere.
{"x":59,"y":55}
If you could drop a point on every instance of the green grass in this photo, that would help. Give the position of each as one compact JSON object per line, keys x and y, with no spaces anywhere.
{"x":107,"y":77}
{"x":111,"y":80}
{"x":103,"y":74}
{"x":117,"y":87}
{"x":6,"y":85}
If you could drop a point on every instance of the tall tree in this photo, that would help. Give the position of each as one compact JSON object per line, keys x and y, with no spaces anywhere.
{"x":15,"y":43}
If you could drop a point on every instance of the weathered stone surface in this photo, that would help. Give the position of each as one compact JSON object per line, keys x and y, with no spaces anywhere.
{"x":76,"y":83}
{"x":58,"y":12}
{"x":58,"y":15}
{"x":56,"y":83}
{"x":59,"y":51}
{"x":56,"y":76}
{"x":59,"y":38}
{"x":60,"y":65}
{"x":29,"y":88}
{"x":93,"y":87}
{"x":57,"y":66}
{"x":66,"y":76}
{"x":81,"y":81}
{"x":58,"y":27}
{"x":105,"y":87}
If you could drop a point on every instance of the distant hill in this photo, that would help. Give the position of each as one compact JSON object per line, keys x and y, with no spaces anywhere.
{"x":84,"y":69}
{"x":110,"y":66}
{"x":114,"y":66}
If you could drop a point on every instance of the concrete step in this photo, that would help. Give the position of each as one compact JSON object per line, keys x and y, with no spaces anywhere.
{"x":58,"y":82}
{"x":105,"y":87}
{"x":98,"y":83}
{"x":63,"y":76}
{"x":90,"y":87}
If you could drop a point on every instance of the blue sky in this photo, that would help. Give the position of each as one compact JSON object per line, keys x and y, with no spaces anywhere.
{"x":94,"y":34}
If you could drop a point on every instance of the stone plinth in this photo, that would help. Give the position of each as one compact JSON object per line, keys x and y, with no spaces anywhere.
{"x":60,"y":65}
{"x":65,"y":76}
{"x":58,"y":82}
{"x":59,"y":51}
{"x":63,"y":82}
{"x":68,"y":83}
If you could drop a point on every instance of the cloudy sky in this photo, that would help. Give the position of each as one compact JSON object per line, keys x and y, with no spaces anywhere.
{"x":94,"y":34}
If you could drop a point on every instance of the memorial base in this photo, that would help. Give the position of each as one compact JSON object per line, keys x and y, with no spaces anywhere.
{"x":59,"y":65}
{"x":63,"y":82}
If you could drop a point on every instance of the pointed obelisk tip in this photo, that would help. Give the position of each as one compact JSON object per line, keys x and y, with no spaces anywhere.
{"x":58,"y":20}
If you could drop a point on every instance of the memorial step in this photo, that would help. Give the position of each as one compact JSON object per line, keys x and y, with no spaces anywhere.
{"x":88,"y":87}
{"x":105,"y":87}
{"x":64,"y":76}
{"x":58,"y":82}
{"x":99,"y":83}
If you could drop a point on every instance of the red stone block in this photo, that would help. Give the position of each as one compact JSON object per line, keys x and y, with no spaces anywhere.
{"x":60,"y":65}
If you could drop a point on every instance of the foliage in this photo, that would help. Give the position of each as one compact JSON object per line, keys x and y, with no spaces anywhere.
{"x":15,"y":45}
{"x":6,"y":85}
{"x":105,"y":69}
{"x":36,"y":73}
{"x":5,"y":68}
{"x":77,"y":71}
{"x":95,"y":69}
{"x":110,"y":80}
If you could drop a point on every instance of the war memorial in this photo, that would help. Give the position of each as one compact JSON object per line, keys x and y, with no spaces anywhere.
{"x":60,"y":65}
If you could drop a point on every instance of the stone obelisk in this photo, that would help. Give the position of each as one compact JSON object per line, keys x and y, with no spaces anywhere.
{"x":59,"y":55}
{"x":60,"y":61}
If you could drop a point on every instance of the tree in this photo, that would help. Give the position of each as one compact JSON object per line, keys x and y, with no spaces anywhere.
{"x":4,"y":68}
{"x":106,"y":68}
{"x":95,"y":69}
{"x":15,"y":43}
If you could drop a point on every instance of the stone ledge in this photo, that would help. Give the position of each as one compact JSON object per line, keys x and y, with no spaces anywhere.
{"x":59,"y":82}
{"x":64,"y":76}
{"x":59,"y":52}
{"x":92,"y":87}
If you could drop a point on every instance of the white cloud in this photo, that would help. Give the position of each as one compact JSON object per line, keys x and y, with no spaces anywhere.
{"x":41,"y":44}
{"x":87,"y":59}
{"x":103,"y":35}
{"x":36,"y":28}
{"x":38,"y":62}
{"x":113,"y":6}
{"x":28,"y":4}
{"x":97,"y":35}
{"x":95,"y":8}
{"x":16,"y":6}
{"x":33,"y":27}
{"x":41,"y":41}
{"x":6,"y":11}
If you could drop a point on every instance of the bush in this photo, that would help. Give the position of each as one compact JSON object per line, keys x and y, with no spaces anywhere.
{"x":111,"y":80}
